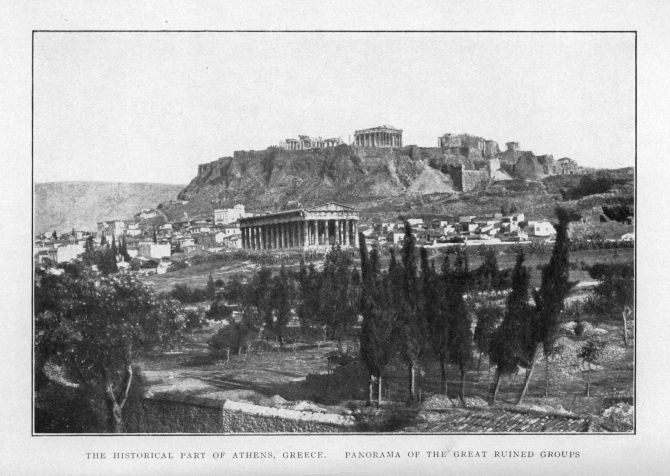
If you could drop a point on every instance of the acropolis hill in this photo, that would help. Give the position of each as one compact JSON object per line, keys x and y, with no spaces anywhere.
{"x":375,"y":167}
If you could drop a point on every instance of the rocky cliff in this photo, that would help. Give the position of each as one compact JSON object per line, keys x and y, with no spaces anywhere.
{"x":274,"y":178}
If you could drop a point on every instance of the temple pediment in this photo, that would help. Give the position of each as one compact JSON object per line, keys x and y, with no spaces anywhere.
{"x":330,"y":207}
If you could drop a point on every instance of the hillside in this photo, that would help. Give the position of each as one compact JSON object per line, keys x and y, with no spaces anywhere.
{"x":388,"y":183}
{"x":274,"y":179}
{"x":63,"y":205}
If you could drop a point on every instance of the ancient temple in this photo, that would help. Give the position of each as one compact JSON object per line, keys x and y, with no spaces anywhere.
{"x":307,"y":143}
{"x":302,"y":228}
{"x":382,"y":136}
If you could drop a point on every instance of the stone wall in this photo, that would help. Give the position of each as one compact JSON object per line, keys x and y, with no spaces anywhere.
{"x":466,"y":180}
{"x":472,"y":178}
{"x":189,"y":414}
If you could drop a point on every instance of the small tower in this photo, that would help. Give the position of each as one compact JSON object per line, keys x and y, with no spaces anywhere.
{"x":512,"y":146}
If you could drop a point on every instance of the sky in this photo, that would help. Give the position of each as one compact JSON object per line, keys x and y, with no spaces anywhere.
{"x":150,"y":107}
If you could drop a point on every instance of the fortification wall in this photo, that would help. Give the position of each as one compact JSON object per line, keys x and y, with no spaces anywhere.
{"x":472,"y":178}
{"x":466,"y":180}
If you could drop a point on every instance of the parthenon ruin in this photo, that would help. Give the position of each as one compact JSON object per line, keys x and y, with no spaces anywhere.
{"x":307,"y":142}
{"x":301,"y":228}
{"x":382,"y":136}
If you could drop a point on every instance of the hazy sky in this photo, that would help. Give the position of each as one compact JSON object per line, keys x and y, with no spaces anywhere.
{"x":149,"y":107}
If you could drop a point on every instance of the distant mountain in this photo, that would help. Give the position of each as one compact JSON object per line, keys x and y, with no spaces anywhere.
{"x":63,"y":205}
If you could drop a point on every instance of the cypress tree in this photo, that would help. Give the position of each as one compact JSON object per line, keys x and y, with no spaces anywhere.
{"x":460,"y":335}
{"x":549,"y":298}
{"x":378,"y":323}
{"x":103,"y":240}
{"x":282,"y":298}
{"x":412,"y":329}
{"x":436,"y":314}
{"x":510,"y":340}
{"x":210,"y":288}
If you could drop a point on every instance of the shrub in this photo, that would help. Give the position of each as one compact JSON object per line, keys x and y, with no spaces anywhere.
{"x":184,"y":294}
{"x":218,"y":311}
{"x":233,"y":337}
{"x":194,"y":320}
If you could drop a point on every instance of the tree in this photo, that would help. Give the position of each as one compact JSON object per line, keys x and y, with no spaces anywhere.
{"x":378,"y":320}
{"x":338,"y":297}
{"x":615,"y":292}
{"x":123,"y":248}
{"x":487,"y":318}
{"x":103,"y":240}
{"x":411,"y":329}
{"x":438,"y":314}
{"x":95,"y":327}
{"x":210,"y":288}
{"x":281,"y":296}
{"x":511,"y":339}
{"x":113,"y":248}
{"x":460,"y":335}
{"x":155,"y":236}
{"x":489,"y":268}
{"x":235,"y":336}
{"x":308,"y":296}
{"x":589,"y":353}
{"x":549,"y":298}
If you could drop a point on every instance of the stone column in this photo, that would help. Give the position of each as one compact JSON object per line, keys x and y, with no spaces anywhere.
{"x":326,"y":233}
{"x":303,"y":234}
{"x":337,"y":231}
{"x":284,"y":235}
{"x":345,"y":232}
{"x":244,"y":239}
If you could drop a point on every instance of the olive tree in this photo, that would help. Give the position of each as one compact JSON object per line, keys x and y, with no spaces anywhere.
{"x":95,"y":327}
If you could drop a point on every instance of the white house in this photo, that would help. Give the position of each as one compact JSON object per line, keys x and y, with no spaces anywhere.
{"x":415,"y":221}
{"x":225,"y":216}
{"x":68,"y":252}
{"x":229,"y":230}
{"x":232,"y":241}
{"x":542,"y":228}
{"x":628,"y":237}
{"x":154,"y":250}
{"x":133,"y":229}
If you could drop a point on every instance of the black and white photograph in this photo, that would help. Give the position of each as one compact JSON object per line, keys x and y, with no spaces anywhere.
{"x":287,"y":238}
{"x":365,"y":232}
